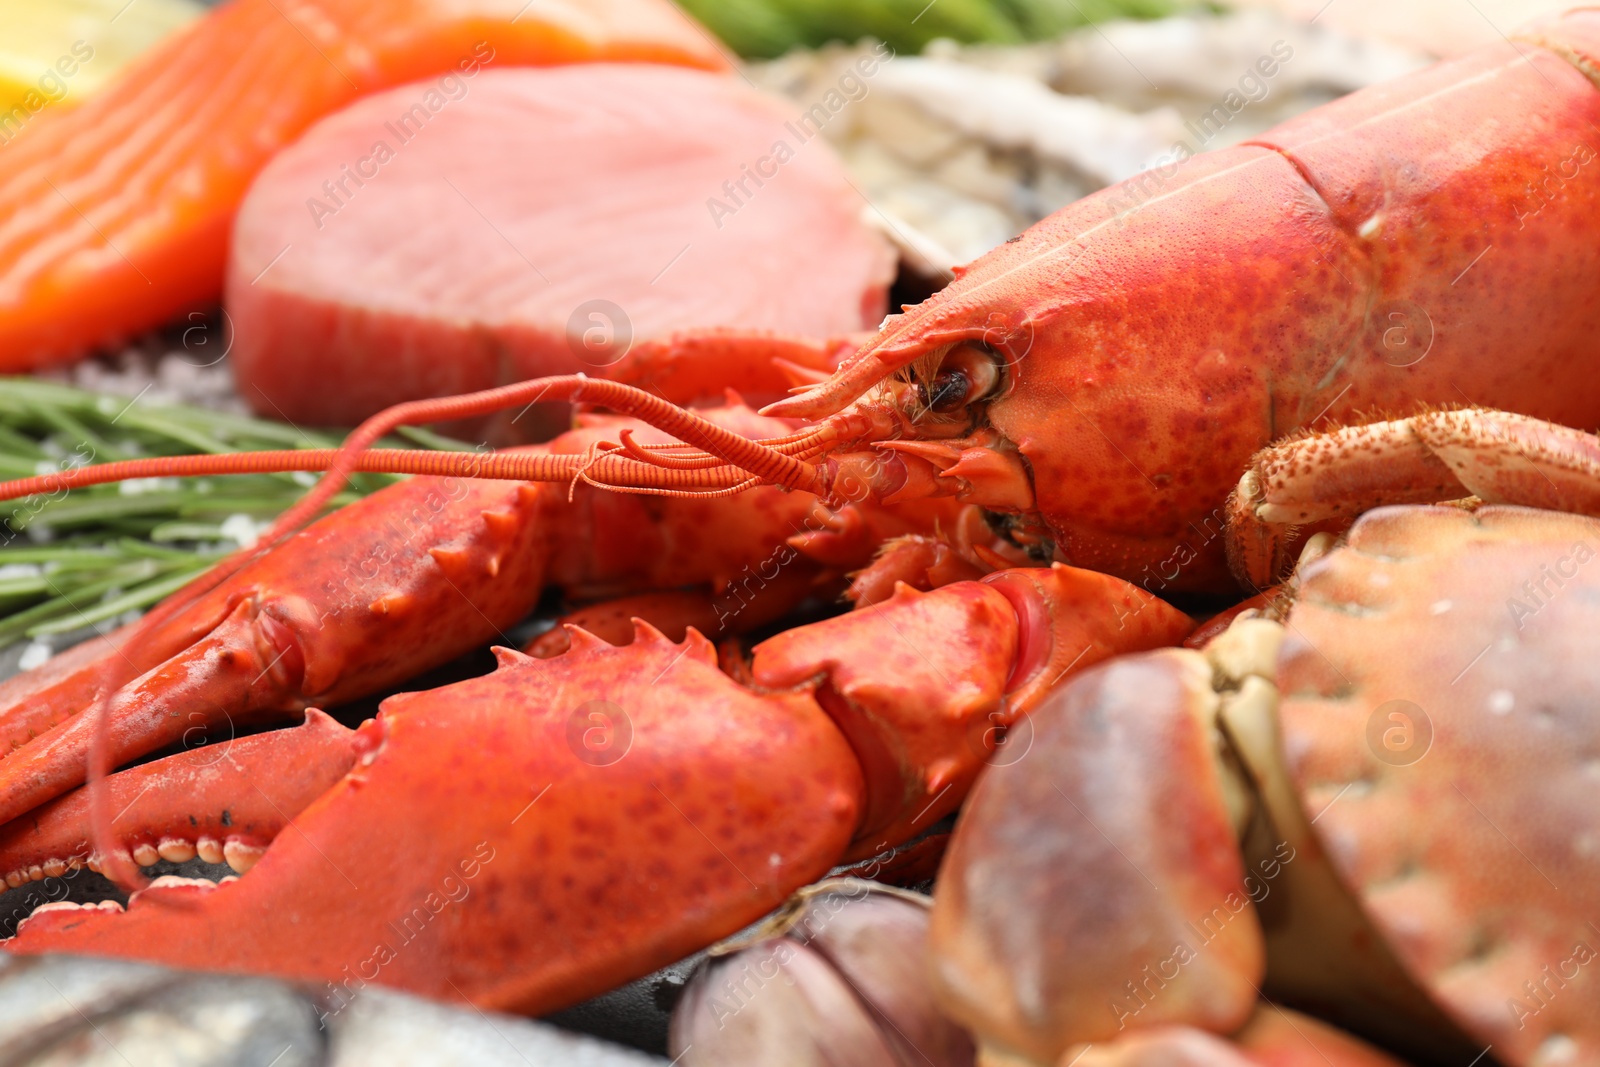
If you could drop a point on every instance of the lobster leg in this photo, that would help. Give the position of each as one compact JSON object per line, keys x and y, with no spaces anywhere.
{"x":965,"y":547}
{"x":918,"y":561}
{"x":1499,"y":457}
{"x":516,"y":795}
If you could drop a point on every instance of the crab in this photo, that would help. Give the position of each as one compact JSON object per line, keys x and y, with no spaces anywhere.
{"x":1375,"y":798}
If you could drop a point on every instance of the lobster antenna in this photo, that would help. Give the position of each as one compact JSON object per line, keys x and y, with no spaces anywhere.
{"x":509,"y":466}
{"x":772,"y":465}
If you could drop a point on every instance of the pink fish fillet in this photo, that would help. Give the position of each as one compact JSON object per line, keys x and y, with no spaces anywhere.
{"x":440,"y":238}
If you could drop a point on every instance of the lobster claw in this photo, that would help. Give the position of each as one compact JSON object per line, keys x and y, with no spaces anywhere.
{"x":629,"y":815}
{"x":224,"y":803}
{"x":541,"y":834}
{"x":401,"y":581}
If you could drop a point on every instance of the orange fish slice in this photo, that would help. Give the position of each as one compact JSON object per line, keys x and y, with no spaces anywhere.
{"x":115,"y":216}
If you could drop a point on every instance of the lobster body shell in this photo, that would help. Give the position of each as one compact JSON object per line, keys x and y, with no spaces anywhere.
{"x":1433,"y":240}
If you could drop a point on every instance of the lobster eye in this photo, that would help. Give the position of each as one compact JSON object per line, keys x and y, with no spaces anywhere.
{"x":949,"y":390}
{"x":968,"y":373}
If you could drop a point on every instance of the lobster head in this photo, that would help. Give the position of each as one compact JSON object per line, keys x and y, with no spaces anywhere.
{"x":1124,"y":357}
{"x":1098,"y":380}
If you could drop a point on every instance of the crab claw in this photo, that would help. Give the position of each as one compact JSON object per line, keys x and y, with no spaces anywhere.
{"x":1083,"y":876}
{"x":524,"y":839}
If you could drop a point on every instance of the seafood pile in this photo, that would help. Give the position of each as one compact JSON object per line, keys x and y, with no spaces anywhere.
{"x":1192,"y":593}
{"x":966,"y":146}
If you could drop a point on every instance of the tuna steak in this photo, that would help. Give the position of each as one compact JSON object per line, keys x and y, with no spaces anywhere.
{"x":453,"y":235}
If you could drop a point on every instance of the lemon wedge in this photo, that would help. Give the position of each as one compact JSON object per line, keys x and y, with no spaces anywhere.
{"x":54,"y":53}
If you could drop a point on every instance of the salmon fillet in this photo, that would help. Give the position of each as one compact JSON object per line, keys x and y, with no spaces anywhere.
{"x":115,"y":215}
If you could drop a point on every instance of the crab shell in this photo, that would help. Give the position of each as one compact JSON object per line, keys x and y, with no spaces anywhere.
{"x":1476,"y":853}
{"x":1406,"y":840}
{"x":1274,"y":1037}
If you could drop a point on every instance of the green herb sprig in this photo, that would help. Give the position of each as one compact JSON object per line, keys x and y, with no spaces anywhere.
{"x":86,"y":556}
{"x":766,"y":28}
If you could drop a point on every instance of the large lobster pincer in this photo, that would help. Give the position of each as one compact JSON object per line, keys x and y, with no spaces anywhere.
{"x":542,"y":833}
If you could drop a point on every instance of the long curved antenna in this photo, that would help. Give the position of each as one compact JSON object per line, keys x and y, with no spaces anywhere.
{"x":509,"y":466}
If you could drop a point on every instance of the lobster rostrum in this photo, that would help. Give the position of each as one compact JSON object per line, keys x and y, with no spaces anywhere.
{"x":1094,"y":386}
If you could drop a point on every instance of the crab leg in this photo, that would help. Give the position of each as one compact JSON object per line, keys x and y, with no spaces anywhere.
{"x":1499,"y":457}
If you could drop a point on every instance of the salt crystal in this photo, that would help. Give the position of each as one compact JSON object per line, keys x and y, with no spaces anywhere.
{"x":33,"y":656}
